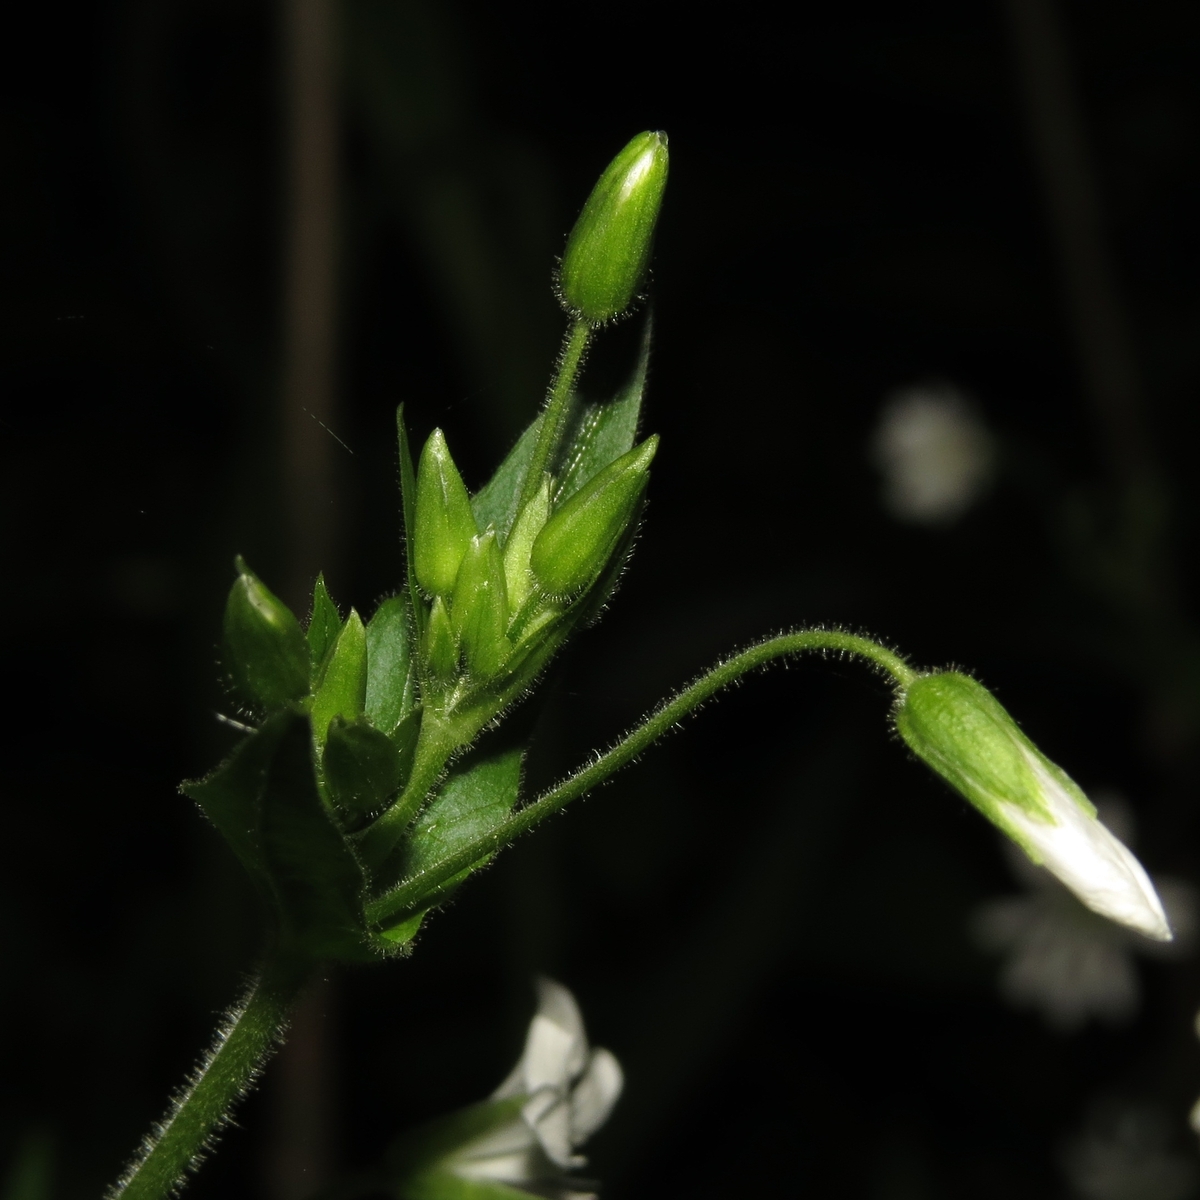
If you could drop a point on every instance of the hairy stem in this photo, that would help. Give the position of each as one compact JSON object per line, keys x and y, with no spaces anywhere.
{"x":247,"y":1037}
{"x":410,"y":893}
{"x":557,"y":403}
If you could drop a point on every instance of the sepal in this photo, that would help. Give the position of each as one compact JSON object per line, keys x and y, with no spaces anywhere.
{"x":444,"y":524}
{"x":265,"y":649}
{"x":342,"y":691}
{"x":479,"y":609}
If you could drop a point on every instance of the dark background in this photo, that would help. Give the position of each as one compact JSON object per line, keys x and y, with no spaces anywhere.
{"x":767,"y":918}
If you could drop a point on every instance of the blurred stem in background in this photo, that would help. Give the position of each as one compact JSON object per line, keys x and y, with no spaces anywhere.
{"x":300,"y":1154}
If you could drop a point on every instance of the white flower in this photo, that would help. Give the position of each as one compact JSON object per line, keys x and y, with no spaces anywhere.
{"x":935,"y":454}
{"x":566,"y":1092}
{"x":1065,"y":960}
{"x":1125,"y":1155}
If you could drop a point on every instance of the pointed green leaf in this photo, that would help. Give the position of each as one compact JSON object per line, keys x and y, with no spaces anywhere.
{"x":408,"y":501}
{"x":342,"y":691}
{"x":603,"y":432}
{"x":390,"y":684}
{"x":318,"y":882}
{"x":230,"y":795}
{"x":362,"y":769}
{"x":324,"y":622}
{"x":475,"y":798}
{"x":495,"y":504}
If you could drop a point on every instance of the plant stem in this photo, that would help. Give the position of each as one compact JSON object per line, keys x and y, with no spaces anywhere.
{"x":245,"y":1040}
{"x":410,"y":893}
{"x":575,"y":344}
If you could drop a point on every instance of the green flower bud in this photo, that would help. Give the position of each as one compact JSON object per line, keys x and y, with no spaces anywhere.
{"x":480,"y":607}
{"x":342,"y":690}
{"x":362,"y":768}
{"x":265,"y":648}
{"x":443,"y":522}
{"x":609,"y":247}
{"x":963,"y":732}
{"x":440,"y":649}
{"x":520,"y":545}
{"x":578,"y":540}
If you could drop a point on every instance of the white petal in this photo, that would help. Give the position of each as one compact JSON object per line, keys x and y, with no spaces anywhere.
{"x":548,"y":1114}
{"x":555,"y":1047}
{"x":1074,"y":846}
{"x":595,"y":1094}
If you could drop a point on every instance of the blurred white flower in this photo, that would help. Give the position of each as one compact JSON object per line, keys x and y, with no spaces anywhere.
{"x":935,"y":454}
{"x":1125,"y":1154}
{"x":1061,"y":957}
{"x":557,"y":1096}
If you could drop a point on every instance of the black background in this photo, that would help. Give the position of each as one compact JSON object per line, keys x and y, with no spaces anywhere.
{"x":767,"y":918}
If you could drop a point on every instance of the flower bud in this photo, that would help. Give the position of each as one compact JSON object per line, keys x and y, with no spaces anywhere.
{"x":960,"y":730}
{"x":265,"y":648}
{"x":609,"y":247}
{"x":480,"y":607}
{"x":578,"y":540}
{"x":440,"y":649}
{"x":443,"y":524}
{"x":342,"y":690}
{"x":519,"y":546}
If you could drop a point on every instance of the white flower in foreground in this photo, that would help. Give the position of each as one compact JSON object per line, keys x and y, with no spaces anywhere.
{"x":1063,"y":959}
{"x":935,"y":454}
{"x":1125,"y":1154}
{"x":962,"y":731}
{"x":525,"y":1139}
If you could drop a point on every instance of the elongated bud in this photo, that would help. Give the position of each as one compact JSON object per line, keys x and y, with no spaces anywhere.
{"x":609,"y":248}
{"x":520,"y":545}
{"x":480,"y":607}
{"x":578,"y":539}
{"x":265,"y":648}
{"x":443,"y":522}
{"x":963,"y":732}
{"x":440,"y":649}
{"x":342,"y":690}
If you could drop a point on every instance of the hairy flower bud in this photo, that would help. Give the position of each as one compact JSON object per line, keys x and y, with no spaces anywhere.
{"x":609,"y":248}
{"x":480,"y":607}
{"x":443,"y":522}
{"x":578,"y":540}
{"x":963,"y":732}
{"x":265,"y":649}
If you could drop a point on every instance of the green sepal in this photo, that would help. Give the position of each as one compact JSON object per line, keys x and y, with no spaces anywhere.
{"x":391,"y":687}
{"x":408,"y":503}
{"x":527,"y":526}
{"x":495,"y":504}
{"x":443,"y":522}
{"x":601,"y":433}
{"x":957,"y":727}
{"x":318,"y":882}
{"x":265,"y":648}
{"x":342,"y":691}
{"x":414,"y":1163}
{"x":609,"y":247}
{"x":404,"y":738}
{"x":362,"y":769}
{"x":578,"y":540}
{"x":476,"y":797}
{"x":440,"y":651}
{"x":324,"y":622}
{"x":480,"y":607}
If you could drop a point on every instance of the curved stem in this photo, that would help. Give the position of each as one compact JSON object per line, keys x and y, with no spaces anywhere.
{"x":555,"y":412}
{"x":410,"y":893}
{"x":245,"y":1040}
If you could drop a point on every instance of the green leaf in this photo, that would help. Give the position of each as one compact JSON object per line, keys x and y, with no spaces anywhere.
{"x":324,"y":622}
{"x":473,"y":801}
{"x":317,"y":880}
{"x":495,"y":504}
{"x":342,"y":691}
{"x":230,"y":795}
{"x":601,"y":433}
{"x":390,"y":685}
{"x":362,"y":768}
{"x":408,"y":502}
